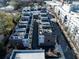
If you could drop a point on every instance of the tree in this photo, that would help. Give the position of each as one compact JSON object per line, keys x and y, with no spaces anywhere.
{"x":2,"y":22}
{"x":6,"y":22}
{"x":17,"y":17}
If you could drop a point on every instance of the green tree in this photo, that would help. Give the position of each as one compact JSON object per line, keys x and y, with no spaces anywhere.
{"x":2,"y":22}
{"x":2,"y":26}
{"x":6,"y":22}
{"x":17,"y":17}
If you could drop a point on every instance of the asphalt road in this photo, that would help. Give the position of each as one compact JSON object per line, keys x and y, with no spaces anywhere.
{"x":62,"y":41}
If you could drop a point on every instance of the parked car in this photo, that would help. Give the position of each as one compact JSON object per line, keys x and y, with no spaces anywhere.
{"x":25,"y":9}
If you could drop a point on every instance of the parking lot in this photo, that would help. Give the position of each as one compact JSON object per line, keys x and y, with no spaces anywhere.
{"x":62,"y":42}
{"x":46,"y":34}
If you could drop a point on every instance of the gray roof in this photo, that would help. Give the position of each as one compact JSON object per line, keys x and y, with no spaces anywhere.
{"x":27,"y":54}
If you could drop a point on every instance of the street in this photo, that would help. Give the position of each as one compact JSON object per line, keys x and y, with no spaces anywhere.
{"x":61,"y":39}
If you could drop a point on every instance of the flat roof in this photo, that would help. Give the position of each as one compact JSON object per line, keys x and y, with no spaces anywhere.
{"x":27,"y":54}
